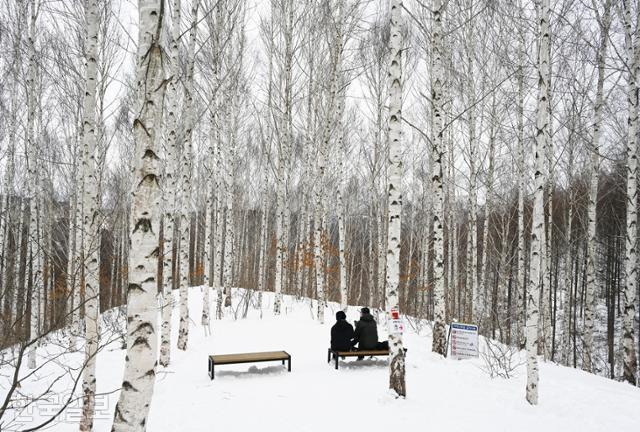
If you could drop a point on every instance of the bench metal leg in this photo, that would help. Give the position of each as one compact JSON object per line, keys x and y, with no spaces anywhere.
{"x":211,"y":368}
{"x":282,"y":362}
{"x":328,"y":355}
{"x":289,"y":363}
{"x":336,"y":356}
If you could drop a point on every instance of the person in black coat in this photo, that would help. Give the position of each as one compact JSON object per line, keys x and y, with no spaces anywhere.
{"x":341,"y":333}
{"x":366,"y":333}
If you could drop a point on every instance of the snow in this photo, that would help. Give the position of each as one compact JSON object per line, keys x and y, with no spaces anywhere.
{"x":442,"y":394}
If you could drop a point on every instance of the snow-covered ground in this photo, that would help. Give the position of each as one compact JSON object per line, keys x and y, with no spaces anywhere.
{"x":443,"y":394}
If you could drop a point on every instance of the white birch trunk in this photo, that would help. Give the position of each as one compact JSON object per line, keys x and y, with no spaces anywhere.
{"x":91,"y":222}
{"x":32,"y":190}
{"x":593,"y":190}
{"x":544,"y":330}
{"x":484,"y":271}
{"x":453,"y":221}
{"x":185,"y":172}
{"x":142,"y":345}
{"x":522,"y":283}
{"x":396,"y":351}
{"x":208,"y":224}
{"x":217,"y":267}
{"x":212,"y":206}
{"x":343,"y":267}
{"x":9,"y":216}
{"x":476,"y":296}
{"x":568,"y":268}
{"x":439,"y":325}
{"x":277,"y":305}
{"x":71,"y":278}
{"x":229,"y":231}
{"x":18,"y":257}
{"x":542,"y":123}
{"x":169,"y":191}
{"x":263,"y":248}
{"x":382,"y":255}
{"x":320,"y":201}
{"x":632,"y":39}
{"x":340,"y":145}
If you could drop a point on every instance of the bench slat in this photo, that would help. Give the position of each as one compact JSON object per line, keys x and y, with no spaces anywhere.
{"x":362,"y":353}
{"x":249,"y":357}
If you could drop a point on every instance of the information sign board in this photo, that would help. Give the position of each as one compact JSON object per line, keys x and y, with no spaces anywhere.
{"x":464,"y":340}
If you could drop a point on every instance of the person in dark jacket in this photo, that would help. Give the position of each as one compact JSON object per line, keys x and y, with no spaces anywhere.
{"x":341,"y":333}
{"x":366,"y":333}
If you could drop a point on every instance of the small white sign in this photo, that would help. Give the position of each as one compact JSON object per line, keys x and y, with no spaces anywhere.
{"x":395,"y":326}
{"x":464,"y":340}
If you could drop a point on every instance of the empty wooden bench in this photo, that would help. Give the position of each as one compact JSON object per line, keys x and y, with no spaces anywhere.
{"x":225,"y":359}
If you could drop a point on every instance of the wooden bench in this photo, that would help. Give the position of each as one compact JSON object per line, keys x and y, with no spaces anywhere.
{"x":256,"y":357}
{"x":364,"y":353}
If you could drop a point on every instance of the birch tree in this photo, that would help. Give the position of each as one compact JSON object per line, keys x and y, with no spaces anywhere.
{"x":169,"y":192}
{"x":541,"y":136}
{"x":396,"y":351}
{"x":341,"y":213}
{"x":604,"y":23}
{"x":9,"y":218}
{"x":335,"y":49}
{"x":90,"y":218}
{"x":522,"y":282}
{"x":439,"y":326}
{"x":284,"y":128}
{"x":632,"y":43}
{"x":185,"y":170}
{"x":140,"y":364}
{"x":32,"y":187}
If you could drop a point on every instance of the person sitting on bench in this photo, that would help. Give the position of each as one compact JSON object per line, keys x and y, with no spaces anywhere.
{"x":341,"y":333}
{"x":366,"y":332}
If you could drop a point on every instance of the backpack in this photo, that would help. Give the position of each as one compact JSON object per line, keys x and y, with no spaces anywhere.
{"x":383,"y":345}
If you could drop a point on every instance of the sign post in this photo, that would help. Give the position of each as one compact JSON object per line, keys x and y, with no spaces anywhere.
{"x":395,"y":325}
{"x":464,"y":340}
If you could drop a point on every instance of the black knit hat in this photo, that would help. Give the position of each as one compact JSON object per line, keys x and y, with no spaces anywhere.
{"x":364,"y":310}
{"x":340,"y":316}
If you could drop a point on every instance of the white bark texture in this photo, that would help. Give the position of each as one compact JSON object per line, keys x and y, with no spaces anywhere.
{"x":320,"y":187}
{"x":485,"y":297}
{"x":229,"y":231}
{"x":632,"y":39}
{"x":396,"y":351}
{"x":211,"y":207}
{"x":339,"y":41}
{"x":77,"y":269}
{"x":217,"y":268}
{"x":593,"y":190}
{"x":19,"y":239}
{"x":472,"y":263}
{"x":142,"y":319}
{"x":91,"y":225}
{"x":71,"y":278}
{"x":9,"y":216}
{"x":32,"y":190}
{"x":567,"y":286}
{"x":341,"y":218}
{"x":282,"y":225}
{"x":537,"y":234}
{"x":439,"y":325}
{"x":169,"y":191}
{"x":185,"y":171}
{"x":522,"y":282}
{"x":208,"y":224}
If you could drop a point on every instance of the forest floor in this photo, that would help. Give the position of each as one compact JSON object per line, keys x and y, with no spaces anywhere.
{"x":443,"y":394}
